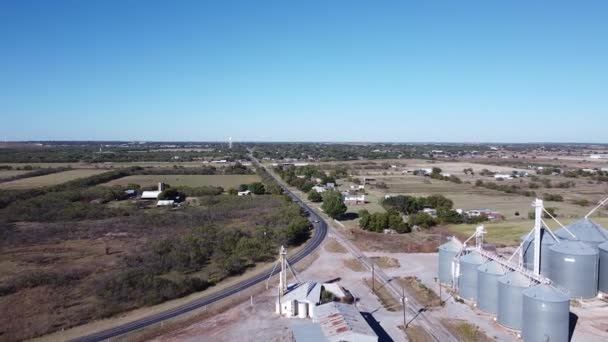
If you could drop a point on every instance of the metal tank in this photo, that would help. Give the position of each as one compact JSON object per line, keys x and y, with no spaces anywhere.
{"x":546,"y":314}
{"x":467,"y":279}
{"x":487,"y":286}
{"x":510,"y":299}
{"x":302,"y":309}
{"x":603,"y":269}
{"x":546,"y":240}
{"x":585,"y":230}
{"x":446,"y":255}
{"x":574,"y":266}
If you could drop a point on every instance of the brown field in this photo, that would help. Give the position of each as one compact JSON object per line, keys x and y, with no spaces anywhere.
{"x":354,"y":265}
{"x":422,"y":294}
{"x":51,"y":179}
{"x":465,"y":331}
{"x":334,"y":246}
{"x":11,"y":173}
{"x":384,"y":296}
{"x":386,"y":262}
{"x":225,"y":181}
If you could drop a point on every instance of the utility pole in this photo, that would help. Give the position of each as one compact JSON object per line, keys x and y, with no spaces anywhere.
{"x":373,"y":279}
{"x":403,"y":301}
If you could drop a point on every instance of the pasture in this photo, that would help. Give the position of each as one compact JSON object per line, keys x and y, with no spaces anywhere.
{"x":225,"y":181}
{"x":4,"y":174}
{"x":51,"y":179}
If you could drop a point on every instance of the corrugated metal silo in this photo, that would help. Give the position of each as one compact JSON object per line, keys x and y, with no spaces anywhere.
{"x":467,"y":280}
{"x":546,"y":314}
{"x":585,"y":230}
{"x":487,"y":286}
{"x":510,"y":299}
{"x":446,"y":255}
{"x":546,"y":240}
{"x":574,"y":266}
{"x":603,"y":273}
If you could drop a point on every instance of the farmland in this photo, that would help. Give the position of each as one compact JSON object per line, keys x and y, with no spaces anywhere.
{"x":51,"y":179}
{"x":4,"y":174}
{"x":225,"y":181}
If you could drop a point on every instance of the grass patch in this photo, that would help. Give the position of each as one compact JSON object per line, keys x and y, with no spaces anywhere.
{"x":50,"y":179}
{"x":386,"y":262}
{"x":225,"y":181}
{"x":354,"y":265}
{"x":388,"y":301}
{"x":465,"y":331}
{"x":420,"y":292}
{"x":334,"y":246}
{"x":415,"y":333}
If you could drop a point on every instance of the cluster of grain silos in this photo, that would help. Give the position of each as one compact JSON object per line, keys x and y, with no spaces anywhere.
{"x":509,"y":294}
{"x":572,"y":261}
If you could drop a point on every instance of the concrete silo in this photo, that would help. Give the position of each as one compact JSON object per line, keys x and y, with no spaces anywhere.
{"x":546,"y":240}
{"x":467,"y":279}
{"x":574,"y":266}
{"x":585,"y":230}
{"x":446,"y":255}
{"x":546,"y":314}
{"x":510,"y":299}
{"x":603,"y":269}
{"x":487,"y":286}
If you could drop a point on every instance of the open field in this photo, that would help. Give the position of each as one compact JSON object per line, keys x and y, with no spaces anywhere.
{"x":508,"y":233}
{"x":225,"y":181}
{"x":51,"y":179}
{"x":12,"y":173}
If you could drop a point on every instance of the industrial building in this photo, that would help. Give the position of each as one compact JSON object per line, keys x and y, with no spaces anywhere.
{"x":343,"y":322}
{"x":531,"y":290}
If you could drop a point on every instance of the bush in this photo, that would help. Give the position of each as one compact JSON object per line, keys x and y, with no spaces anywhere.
{"x":422,"y":220}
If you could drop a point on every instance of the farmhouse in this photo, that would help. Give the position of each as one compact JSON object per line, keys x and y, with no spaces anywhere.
{"x":354,"y":199}
{"x":244,"y":193}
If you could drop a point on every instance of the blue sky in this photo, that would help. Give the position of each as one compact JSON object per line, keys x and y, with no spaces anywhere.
{"x":515,"y":71}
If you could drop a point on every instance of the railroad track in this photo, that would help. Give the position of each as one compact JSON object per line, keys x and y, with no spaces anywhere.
{"x":320,"y":232}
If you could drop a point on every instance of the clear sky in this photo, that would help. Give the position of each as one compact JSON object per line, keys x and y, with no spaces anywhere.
{"x":514,"y":71}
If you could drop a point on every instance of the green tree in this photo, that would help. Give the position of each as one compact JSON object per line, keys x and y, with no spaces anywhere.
{"x":333,"y":204}
{"x":257,"y":188}
{"x":314,"y":196}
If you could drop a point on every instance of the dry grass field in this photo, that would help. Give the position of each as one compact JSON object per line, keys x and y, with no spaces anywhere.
{"x":51,"y":179}
{"x":4,"y":174}
{"x":225,"y":181}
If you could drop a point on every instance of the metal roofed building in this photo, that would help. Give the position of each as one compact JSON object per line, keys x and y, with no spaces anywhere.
{"x":343,"y":322}
{"x":306,"y":331}
{"x":150,"y":195}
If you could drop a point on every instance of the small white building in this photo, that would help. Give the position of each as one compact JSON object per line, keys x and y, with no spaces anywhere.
{"x":503,"y":176}
{"x":343,"y":322}
{"x":301,"y":301}
{"x":354,"y":199}
{"x":150,"y":195}
{"x":357,"y":187}
{"x":430,"y":211}
{"x":319,"y":188}
{"x":330,"y":185}
{"x":244,"y":193}
{"x":165,"y":203}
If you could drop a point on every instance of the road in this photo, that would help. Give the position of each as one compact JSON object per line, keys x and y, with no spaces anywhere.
{"x":431,"y":325}
{"x":320,"y":232}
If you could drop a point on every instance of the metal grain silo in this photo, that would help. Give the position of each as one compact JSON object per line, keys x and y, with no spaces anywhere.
{"x":487,"y":286}
{"x":546,"y":314}
{"x":603,"y":269}
{"x":510,"y":299}
{"x":585,"y":230}
{"x":446,"y":255}
{"x":546,"y":240}
{"x":467,"y":279}
{"x":574,"y":266}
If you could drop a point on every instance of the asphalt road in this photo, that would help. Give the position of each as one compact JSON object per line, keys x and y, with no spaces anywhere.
{"x":320,"y":232}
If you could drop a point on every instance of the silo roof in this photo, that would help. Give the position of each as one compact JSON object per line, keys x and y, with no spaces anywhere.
{"x":573,"y":247}
{"x":545,"y":237}
{"x":516,"y":279}
{"x":584,"y":229}
{"x":546,"y":293}
{"x":473,"y":258}
{"x":452,"y":246}
{"x":492,"y":267}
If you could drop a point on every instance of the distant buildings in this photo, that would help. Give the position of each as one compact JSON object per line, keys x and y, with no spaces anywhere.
{"x":244,"y":193}
{"x":354,"y":199}
{"x":150,"y":195}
